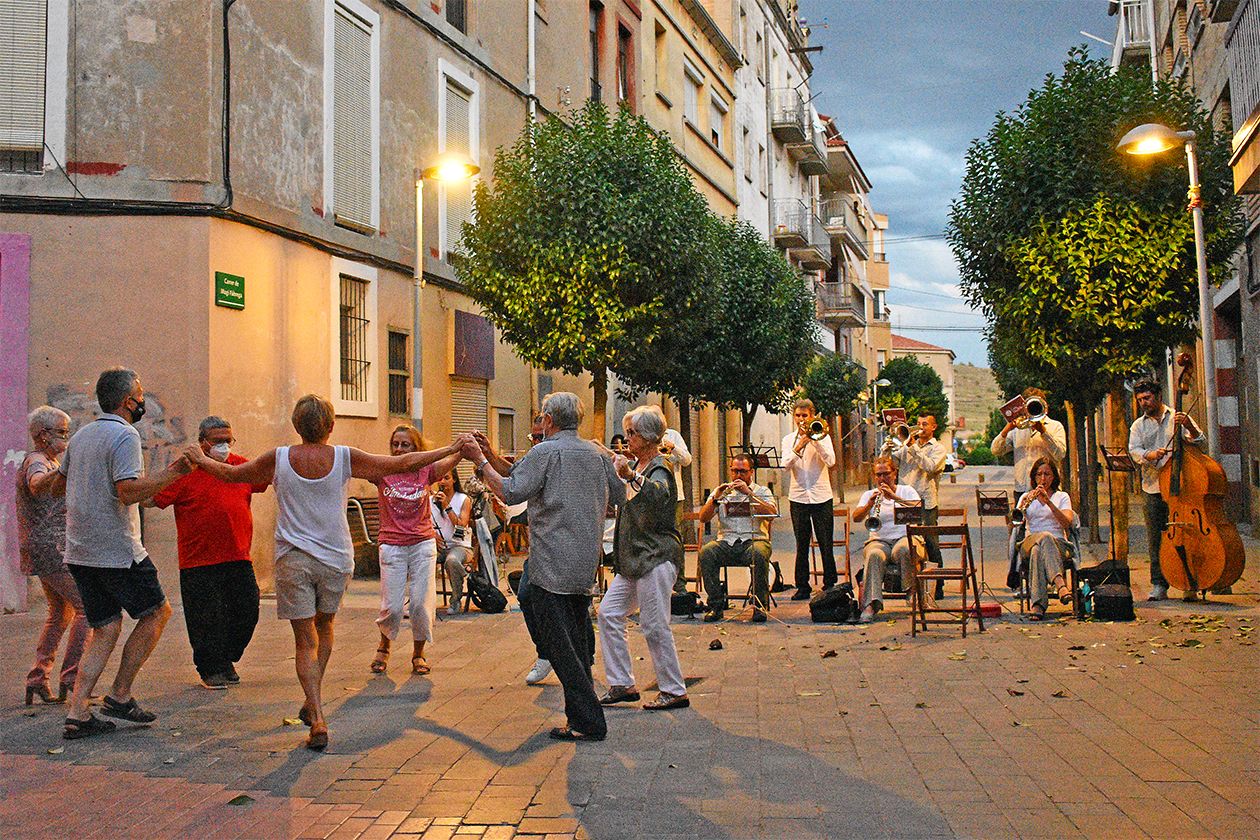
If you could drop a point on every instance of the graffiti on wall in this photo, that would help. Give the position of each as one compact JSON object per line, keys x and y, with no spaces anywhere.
{"x":161,"y":433}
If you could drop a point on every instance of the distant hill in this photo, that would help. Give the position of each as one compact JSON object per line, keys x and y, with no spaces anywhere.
{"x":977,"y":394}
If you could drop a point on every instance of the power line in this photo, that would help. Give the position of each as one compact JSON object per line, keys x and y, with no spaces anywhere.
{"x":933,"y":309}
{"x":930,"y":294}
{"x":901,"y":327}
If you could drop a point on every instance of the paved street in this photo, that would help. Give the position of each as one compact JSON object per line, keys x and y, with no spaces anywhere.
{"x":1061,"y":729}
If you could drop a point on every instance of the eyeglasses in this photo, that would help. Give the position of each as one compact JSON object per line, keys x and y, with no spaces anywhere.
{"x":740,"y":470}
{"x":536,"y":437}
{"x":56,"y":433}
{"x":883,"y":474}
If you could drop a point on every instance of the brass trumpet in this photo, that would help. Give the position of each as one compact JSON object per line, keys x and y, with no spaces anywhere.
{"x":1017,"y":515}
{"x":815,"y":429}
{"x":1035,"y":412}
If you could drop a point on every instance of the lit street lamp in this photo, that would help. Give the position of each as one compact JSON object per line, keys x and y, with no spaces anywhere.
{"x":449,"y":169}
{"x":1151,"y":139}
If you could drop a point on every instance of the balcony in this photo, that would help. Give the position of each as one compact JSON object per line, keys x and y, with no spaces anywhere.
{"x":810,"y":154}
{"x":791,"y":223}
{"x":840,"y":305}
{"x":1133,"y":34}
{"x":815,"y":254}
{"x":789,"y":121}
{"x":843,"y":222}
{"x":1242,"y":43}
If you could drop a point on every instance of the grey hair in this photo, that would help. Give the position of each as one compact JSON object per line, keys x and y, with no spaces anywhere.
{"x":648,"y":421}
{"x":565,"y":408}
{"x":210,"y":424}
{"x":44,"y":418}
{"x":113,"y":386}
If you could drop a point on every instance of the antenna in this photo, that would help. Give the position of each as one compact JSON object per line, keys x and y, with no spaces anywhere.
{"x":1096,"y":38}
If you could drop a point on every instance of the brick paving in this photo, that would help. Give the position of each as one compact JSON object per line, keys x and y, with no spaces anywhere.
{"x":1062,"y":729}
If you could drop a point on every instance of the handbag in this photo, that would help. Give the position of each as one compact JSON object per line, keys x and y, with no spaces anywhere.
{"x":833,"y":606}
{"x":1113,"y":602}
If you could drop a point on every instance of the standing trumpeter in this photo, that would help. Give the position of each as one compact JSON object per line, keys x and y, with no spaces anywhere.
{"x":807,"y":459}
{"x":920,"y":462}
{"x":1031,"y":438}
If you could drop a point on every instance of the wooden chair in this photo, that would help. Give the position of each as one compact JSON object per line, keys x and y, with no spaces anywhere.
{"x":747,"y":597}
{"x":841,"y":533}
{"x":958,"y":537}
{"x":363,"y":515}
{"x":692,"y":548}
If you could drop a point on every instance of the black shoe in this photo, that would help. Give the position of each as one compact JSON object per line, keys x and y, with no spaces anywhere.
{"x":779,"y":586}
{"x":759,"y":617}
{"x":130,"y":710}
{"x":714,"y":614}
{"x":801,"y":595}
{"x":215,"y":682}
{"x":232,"y":676}
{"x":76,"y":729}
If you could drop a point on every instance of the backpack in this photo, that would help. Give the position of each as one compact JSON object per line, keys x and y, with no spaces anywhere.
{"x":487,"y":596}
{"x":833,"y":606}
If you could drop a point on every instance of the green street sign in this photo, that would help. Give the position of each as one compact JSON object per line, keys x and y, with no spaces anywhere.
{"x":229,"y":290}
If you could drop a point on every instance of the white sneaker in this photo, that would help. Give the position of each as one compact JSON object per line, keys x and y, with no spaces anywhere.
{"x":1158,"y":592}
{"x":538,"y":673}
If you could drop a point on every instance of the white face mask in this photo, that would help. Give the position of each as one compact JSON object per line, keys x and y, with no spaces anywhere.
{"x":220,"y":451}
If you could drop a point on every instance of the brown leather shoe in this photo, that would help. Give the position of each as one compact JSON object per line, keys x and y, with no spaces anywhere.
{"x":665,"y":701}
{"x":619,"y":694}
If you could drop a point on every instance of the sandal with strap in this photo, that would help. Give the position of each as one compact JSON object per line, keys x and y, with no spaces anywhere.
{"x":381,"y":662}
{"x":419,"y":666}
{"x":1038,"y":613}
{"x":76,"y":729}
{"x":129,"y":711}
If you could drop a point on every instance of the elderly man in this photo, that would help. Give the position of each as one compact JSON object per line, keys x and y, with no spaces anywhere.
{"x":920,"y":462}
{"x":215,"y":531}
{"x":742,"y":538}
{"x":568,"y":483}
{"x":1041,"y":439}
{"x":105,"y":482}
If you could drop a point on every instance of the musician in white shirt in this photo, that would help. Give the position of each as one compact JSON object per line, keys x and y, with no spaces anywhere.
{"x":1041,"y":439}
{"x":807,"y":461}
{"x":1047,"y":521}
{"x":888,"y":540}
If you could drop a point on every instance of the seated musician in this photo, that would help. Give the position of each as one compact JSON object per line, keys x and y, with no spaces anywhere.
{"x":885,"y":538}
{"x":1047,"y":523}
{"x":742,"y":539}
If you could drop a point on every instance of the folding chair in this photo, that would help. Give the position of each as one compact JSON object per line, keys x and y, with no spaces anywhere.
{"x":841,"y":533}
{"x":922,"y":573}
{"x":692,"y":548}
{"x":1070,"y":576}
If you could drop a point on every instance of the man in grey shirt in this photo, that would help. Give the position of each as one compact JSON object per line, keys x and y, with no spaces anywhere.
{"x":103,"y":470}
{"x":568,"y":483}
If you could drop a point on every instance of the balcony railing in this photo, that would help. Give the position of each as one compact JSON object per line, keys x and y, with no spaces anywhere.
{"x":1242,"y":44}
{"x":789,"y":121}
{"x":840,"y":305}
{"x":841,"y":220}
{"x":815,"y":254}
{"x":791,"y":223}
{"x":811,"y":153}
{"x":1133,"y":33}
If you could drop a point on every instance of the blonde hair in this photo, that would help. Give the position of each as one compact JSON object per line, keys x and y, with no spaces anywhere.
{"x":313,"y":418}
{"x":412,"y":433}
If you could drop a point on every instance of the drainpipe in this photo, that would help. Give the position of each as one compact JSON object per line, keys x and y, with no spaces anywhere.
{"x":531,"y":68}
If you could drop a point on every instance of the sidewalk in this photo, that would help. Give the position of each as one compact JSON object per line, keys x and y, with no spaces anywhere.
{"x":1060,"y":729}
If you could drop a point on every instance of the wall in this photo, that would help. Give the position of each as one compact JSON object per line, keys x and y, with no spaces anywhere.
{"x":15,"y":263}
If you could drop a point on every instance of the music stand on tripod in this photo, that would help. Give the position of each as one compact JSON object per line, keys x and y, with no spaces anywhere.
{"x":1115,"y":460}
{"x":991,"y":503}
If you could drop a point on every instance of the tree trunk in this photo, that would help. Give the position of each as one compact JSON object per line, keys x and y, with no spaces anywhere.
{"x":599,"y":387}
{"x":684,"y":429}
{"x":1071,"y":464}
{"x":837,"y":443}
{"x":1090,"y":468}
{"x":723,"y":458}
{"x":749,"y":415}
{"x":1117,"y":482}
{"x":1080,"y":420}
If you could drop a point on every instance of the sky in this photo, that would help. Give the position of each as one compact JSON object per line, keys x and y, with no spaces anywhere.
{"x":910,"y":83}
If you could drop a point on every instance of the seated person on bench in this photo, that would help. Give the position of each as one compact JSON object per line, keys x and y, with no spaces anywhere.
{"x":742,"y":540}
{"x":885,"y":539}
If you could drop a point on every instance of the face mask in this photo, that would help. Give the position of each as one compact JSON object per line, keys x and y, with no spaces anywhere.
{"x":219,"y":451}
{"x":137,"y":412}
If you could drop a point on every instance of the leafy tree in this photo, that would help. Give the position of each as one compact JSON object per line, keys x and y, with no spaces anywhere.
{"x":996,"y":424}
{"x":833,"y":384}
{"x":980,"y":455}
{"x":585,"y":242}
{"x":915,"y":387}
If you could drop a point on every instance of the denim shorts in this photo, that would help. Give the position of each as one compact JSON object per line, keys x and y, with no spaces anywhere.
{"x":106,"y":592}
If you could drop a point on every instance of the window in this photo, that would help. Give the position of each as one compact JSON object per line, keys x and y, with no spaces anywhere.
{"x":759,"y":59}
{"x":457,"y":14}
{"x":596,"y":23}
{"x":761,"y":167}
{"x":692,"y":82}
{"x":469,"y":412}
{"x":746,"y":150}
{"x":23,"y":25}
{"x":717,"y":122}
{"x":662,"y":59}
{"x":352,"y":115}
{"x":355,"y":363}
{"x":353,"y":322}
{"x":399,"y":373}
{"x":625,"y":66}
{"x":506,"y":429}
{"x":458,"y":135}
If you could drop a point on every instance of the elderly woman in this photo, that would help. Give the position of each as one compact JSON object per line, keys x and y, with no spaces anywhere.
{"x":41,"y":521}
{"x":314,"y":554}
{"x":1048,"y":520}
{"x":886,"y":540}
{"x":647,"y":546}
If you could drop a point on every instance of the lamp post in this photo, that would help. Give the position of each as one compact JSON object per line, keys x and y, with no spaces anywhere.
{"x":448,"y":170}
{"x":875,"y":386}
{"x":1151,"y":139}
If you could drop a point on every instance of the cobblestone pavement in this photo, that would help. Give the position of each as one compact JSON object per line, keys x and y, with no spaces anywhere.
{"x":1059,"y":729}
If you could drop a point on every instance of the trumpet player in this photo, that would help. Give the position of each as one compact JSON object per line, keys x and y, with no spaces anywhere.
{"x":1038,"y":437}
{"x":920,"y":462}
{"x":742,"y":540}
{"x":885,"y":539}
{"x":807,"y":460}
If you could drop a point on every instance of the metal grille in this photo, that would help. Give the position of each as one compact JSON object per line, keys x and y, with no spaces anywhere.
{"x":399,"y":374}
{"x":1252,"y":256}
{"x":354,"y":339}
{"x":596,"y":17}
{"x":21,"y":162}
{"x":1243,"y":45}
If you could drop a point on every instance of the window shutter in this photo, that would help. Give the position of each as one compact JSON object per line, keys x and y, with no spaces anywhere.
{"x":23,"y":37}
{"x":458,"y":141}
{"x":470,"y":409}
{"x":352,"y":119}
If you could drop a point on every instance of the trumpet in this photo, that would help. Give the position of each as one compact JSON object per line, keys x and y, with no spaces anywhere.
{"x":815,"y":429}
{"x":1035,"y":412}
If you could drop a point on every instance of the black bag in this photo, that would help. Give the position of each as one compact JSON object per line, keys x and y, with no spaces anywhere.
{"x":514,"y":582}
{"x":1113,"y":602}
{"x":684,"y":603}
{"x":487,"y":598}
{"x":1108,"y":571}
{"x":833,"y":606}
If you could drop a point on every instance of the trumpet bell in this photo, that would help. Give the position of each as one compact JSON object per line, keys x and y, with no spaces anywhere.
{"x":872,"y":523}
{"x":1036,"y":413}
{"x":817,"y":429}
{"x":1017,"y":516}
{"x":902,"y":432}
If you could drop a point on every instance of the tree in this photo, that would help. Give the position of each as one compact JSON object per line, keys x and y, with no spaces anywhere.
{"x":833,"y":383}
{"x":584,"y":242}
{"x":915,"y":387}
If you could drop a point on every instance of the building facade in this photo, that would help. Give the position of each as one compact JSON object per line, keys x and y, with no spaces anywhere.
{"x":941,"y":360}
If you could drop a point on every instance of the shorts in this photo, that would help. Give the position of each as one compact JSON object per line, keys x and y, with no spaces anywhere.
{"x":305,"y":586}
{"x":106,"y":592}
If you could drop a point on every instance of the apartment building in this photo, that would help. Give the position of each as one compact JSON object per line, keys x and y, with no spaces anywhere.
{"x":1213,"y":48}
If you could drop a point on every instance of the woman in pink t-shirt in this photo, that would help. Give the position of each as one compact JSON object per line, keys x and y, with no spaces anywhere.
{"x":408,"y":550}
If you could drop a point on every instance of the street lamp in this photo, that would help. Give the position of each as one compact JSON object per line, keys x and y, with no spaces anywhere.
{"x":875,"y":386}
{"x":450,"y":169}
{"x":1151,"y":139}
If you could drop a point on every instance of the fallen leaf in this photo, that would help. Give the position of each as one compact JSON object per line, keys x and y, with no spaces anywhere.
{"x":1190,"y":643}
{"x":828,"y":654}
{"x":809,"y":694}
{"x":243,"y":799}
{"x":56,"y":750}
{"x":1077,"y":647}
{"x":673,"y":767}
{"x":1060,"y":693}
{"x":957,"y":656}
{"x":1014,"y":693}
{"x":292,"y":722}
{"x":920,"y":705}
{"x":1021,"y":681}
{"x":168,"y":761}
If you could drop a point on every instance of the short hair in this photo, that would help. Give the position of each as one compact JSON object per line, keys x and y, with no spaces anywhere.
{"x":648,"y":421}
{"x":746,"y":458}
{"x":565,"y":408}
{"x":1146,"y":386}
{"x":44,"y":418}
{"x":113,"y":386}
{"x":413,"y":434}
{"x":210,"y":424}
{"x":1049,"y":462}
{"x":313,"y":418}
{"x":884,"y":459}
{"x":804,"y":403}
{"x":1032,"y":391}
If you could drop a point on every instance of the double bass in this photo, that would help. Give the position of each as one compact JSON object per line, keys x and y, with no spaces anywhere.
{"x":1200,"y":549}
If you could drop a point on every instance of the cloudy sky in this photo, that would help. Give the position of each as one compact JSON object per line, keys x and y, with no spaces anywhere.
{"x":910,"y":84}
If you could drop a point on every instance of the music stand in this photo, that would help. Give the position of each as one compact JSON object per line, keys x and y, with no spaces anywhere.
{"x":764,"y":457}
{"x":1115,"y":460}
{"x":991,"y":503}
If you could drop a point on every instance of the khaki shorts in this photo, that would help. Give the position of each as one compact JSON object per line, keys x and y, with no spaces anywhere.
{"x":305,"y":586}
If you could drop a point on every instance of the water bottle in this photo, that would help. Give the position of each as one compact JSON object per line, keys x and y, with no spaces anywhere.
{"x":1087,"y":598}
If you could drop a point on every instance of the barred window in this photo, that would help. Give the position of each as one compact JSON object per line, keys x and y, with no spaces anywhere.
{"x":355,"y":363}
{"x":399,"y":373}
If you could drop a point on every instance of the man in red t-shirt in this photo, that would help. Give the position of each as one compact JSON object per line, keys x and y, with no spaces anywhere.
{"x":216,"y":578}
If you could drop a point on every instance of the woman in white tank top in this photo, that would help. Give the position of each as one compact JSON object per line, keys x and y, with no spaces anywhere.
{"x":314,"y":554}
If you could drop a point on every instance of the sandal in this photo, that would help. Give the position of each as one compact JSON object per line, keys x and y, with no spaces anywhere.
{"x":76,"y":729}
{"x":564,"y":733}
{"x":419,"y":665}
{"x":1038,"y":613}
{"x":318,"y":739}
{"x":129,"y":711}
{"x":381,"y":662}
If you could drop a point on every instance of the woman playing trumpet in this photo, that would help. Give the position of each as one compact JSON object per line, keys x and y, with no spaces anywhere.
{"x":885,"y":539}
{"x":1048,"y":517}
